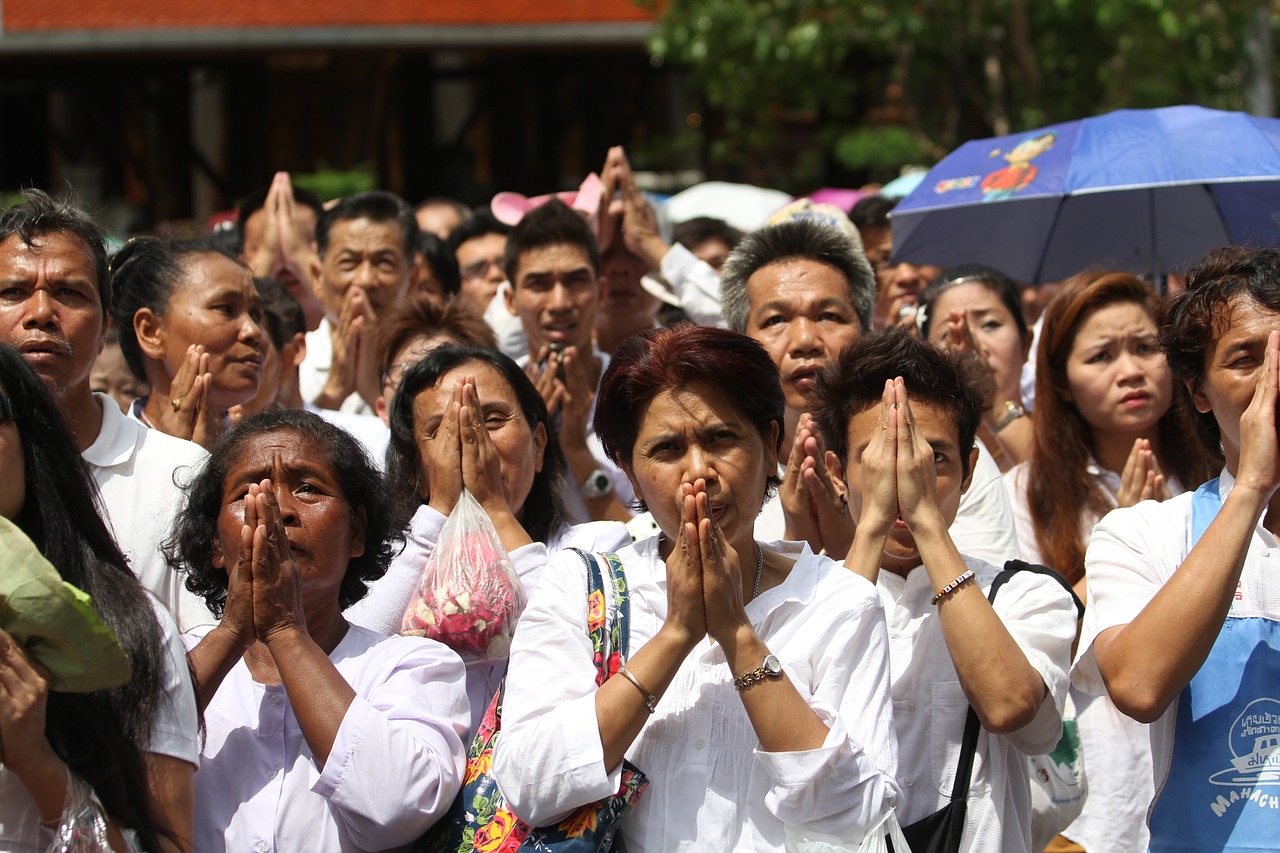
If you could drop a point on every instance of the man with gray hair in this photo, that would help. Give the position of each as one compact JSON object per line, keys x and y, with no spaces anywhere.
{"x":803,"y":288}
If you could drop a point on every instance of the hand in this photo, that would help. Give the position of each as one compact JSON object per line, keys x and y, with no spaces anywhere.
{"x":1141,"y":479}
{"x":481,"y":465}
{"x":793,"y":494}
{"x":24,"y":694}
{"x":828,"y":502}
{"x":902,"y":312}
{"x":577,"y":398}
{"x":237,"y":612}
{"x":879,"y":468}
{"x":276,"y":578}
{"x":685,"y":613}
{"x":1259,"y":466}
{"x":543,"y":373}
{"x":442,"y":459}
{"x":917,"y":472}
{"x":723,"y":599}
{"x":352,"y":352}
{"x":194,"y":418}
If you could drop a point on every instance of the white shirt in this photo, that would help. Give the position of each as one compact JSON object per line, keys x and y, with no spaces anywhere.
{"x":313,"y":373}
{"x":711,"y":786}
{"x":173,"y":733}
{"x":369,"y":430}
{"x":382,"y":609}
{"x":394,"y":769}
{"x":135,"y":468}
{"x":507,"y":328}
{"x":696,"y":284}
{"x":983,"y":527}
{"x":1133,"y":552}
{"x":929,"y":706}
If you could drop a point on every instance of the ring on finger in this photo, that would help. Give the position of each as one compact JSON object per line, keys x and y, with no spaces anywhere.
{"x":176,"y":404}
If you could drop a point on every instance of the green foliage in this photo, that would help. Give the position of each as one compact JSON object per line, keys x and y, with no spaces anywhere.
{"x":842,"y":73}
{"x":333,"y":183}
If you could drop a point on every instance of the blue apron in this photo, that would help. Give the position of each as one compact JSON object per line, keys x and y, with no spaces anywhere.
{"x":1223,"y":788}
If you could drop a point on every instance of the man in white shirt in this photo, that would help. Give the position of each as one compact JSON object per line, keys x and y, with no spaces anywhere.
{"x":1183,"y":624}
{"x":905,"y":464}
{"x":54,"y":289}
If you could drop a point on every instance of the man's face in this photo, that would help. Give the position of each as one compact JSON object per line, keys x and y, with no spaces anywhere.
{"x":555,"y":295}
{"x":626,"y":308}
{"x":368,"y":255}
{"x":480,"y":267}
{"x":802,"y":313}
{"x":50,"y":308}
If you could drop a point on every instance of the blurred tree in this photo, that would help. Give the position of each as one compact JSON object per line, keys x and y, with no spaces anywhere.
{"x":875,"y":85}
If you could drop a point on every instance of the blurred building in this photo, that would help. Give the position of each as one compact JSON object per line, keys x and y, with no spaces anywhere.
{"x":167,"y":109}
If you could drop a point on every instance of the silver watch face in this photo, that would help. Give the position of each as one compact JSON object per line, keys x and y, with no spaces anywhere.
{"x":597,"y":485}
{"x":772,"y":666}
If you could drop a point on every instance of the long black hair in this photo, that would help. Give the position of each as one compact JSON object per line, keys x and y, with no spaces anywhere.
{"x":101,"y":736}
{"x":544,"y":512}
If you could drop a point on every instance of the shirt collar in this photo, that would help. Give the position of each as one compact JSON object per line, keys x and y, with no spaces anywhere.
{"x":117,"y":439}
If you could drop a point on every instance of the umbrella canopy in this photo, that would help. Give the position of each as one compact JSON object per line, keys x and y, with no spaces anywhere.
{"x":743,"y":206}
{"x":1146,"y":191}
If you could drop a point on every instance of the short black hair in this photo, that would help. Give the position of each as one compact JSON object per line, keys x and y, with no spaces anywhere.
{"x":550,"y":224}
{"x":282,"y":316}
{"x":257,"y":200}
{"x":376,"y":206}
{"x":854,"y":382}
{"x":478,"y":224}
{"x":872,"y":212}
{"x":39,"y":215}
{"x":190,"y":548}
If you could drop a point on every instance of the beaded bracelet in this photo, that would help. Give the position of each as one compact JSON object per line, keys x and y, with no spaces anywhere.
{"x":952,"y":587}
{"x":650,"y":701}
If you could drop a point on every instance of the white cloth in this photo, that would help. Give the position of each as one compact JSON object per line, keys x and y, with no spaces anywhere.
{"x":135,"y":469}
{"x":929,"y":706}
{"x":313,"y":373}
{"x":369,"y":430}
{"x":696,"y":285}
{"x":1133,"y":552}
{"x":711,"y":786}
{"x":506,"y":326}
{"x":382,"y":609}
{"x":983,"y":527}
{"x":173,"y":733}
{"x":394,"y":769}
{"x":1027,"y":379}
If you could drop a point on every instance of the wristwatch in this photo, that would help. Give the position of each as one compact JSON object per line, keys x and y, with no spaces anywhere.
{"x":598,"y":485}
{"x":771,"y":668}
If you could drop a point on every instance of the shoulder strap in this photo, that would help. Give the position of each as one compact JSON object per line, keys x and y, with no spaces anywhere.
{"x":609,"y":638}
{"x":1012,"y":567}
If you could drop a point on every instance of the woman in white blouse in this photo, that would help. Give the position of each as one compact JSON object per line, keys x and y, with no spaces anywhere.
{"x":320,"y":735}
{"x":755,"y":697}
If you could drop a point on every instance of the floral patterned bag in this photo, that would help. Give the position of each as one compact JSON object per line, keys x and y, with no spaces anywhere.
{"x":479,"y":819}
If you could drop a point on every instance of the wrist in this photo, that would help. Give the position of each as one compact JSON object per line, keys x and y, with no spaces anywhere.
{"x":925,"y":521}
{"x":677,"y":639}
{"x":285,"y":637}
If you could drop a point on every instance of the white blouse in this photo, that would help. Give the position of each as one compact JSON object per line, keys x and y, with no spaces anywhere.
{"x":394,"y":769}
{"x":711,"y":786}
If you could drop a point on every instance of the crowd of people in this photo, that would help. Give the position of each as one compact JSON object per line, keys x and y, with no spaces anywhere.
{"x":887,"y":545}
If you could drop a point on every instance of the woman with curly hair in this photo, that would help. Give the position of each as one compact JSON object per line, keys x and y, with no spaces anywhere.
{"x":320,"y":735}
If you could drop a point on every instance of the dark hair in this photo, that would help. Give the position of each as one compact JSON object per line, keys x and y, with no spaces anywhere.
{"x":872,"y":212}
{"x":444,"y":266}
{"x":1059,"y":488}
{"x":417,"y":316}
{"x":1194,"y":319}
{"x":102,"y":736}
{"x":282,"y":316}
{"x":700,"y":229}
{"x":1004,"y":287}
{"x":854,"y":382}
{"x":376,"y":206}
{"x":190,"y":548}
{"x":673,"y":357}
{"x":478,"y":224}
{"x":39,"y":215}
{"x":550,"y":224}
{"x":257,"y":200}
{"x":795,"y":239}
{"x":544,"y":512}
{"x":146,"y":270}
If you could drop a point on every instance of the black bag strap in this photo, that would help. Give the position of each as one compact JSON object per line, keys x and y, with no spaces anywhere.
{"x":969,"y":743}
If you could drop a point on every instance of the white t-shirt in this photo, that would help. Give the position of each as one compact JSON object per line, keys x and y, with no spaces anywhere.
{"x":173,"y":733}
{"x":711,"y":786}
{"x":135,"y":469}
{"x":1133,"y":552}
{"x":929,"y":705}
{"x":394,"y":769}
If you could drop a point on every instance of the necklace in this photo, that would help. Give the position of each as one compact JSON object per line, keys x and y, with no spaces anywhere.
{"x":755,"y":589}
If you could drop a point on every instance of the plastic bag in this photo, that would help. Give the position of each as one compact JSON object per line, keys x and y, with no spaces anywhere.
{"x":469,"y":597}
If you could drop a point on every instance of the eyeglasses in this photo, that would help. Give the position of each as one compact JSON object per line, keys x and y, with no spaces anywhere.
{"x":6,"y":410}
{"x":477,"y":269}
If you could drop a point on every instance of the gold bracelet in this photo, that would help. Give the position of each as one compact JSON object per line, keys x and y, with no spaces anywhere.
{"x":650,"y":701}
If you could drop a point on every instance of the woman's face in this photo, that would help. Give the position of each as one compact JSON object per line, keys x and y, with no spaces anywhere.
{"x":214,"y":304}
{"x":519,"y":444}
{"x":699,"y":432}
{"x":999,"y":342}
{"x":13,"y":477}
{"x":323,"y":532}
{"x":1117,"y":377}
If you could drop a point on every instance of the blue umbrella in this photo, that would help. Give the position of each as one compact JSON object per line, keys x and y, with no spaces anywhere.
{"x":1145,"y":191}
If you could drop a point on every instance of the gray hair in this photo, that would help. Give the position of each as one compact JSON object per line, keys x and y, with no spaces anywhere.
{"x":39,"y":215}
{"x":804,"y":239}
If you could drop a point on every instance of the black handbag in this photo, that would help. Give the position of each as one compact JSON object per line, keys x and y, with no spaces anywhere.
{"x":941,"y":831}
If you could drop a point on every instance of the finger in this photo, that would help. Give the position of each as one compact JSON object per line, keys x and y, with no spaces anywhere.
{"x":1131,"y":464}
{"x":251,"y":507}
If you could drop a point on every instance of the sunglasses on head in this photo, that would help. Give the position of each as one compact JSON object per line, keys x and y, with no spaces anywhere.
{"x":6,"y":410}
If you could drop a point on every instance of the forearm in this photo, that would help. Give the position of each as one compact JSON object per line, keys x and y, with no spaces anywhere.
{"x":782,"y":719}
{"x":171,"y":785}
{"x":210,"y":661}
{"x":318,"y":693}
{"x":620,"y":706}
{"x":1146,"y":663}
{"x":868,"y":547}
